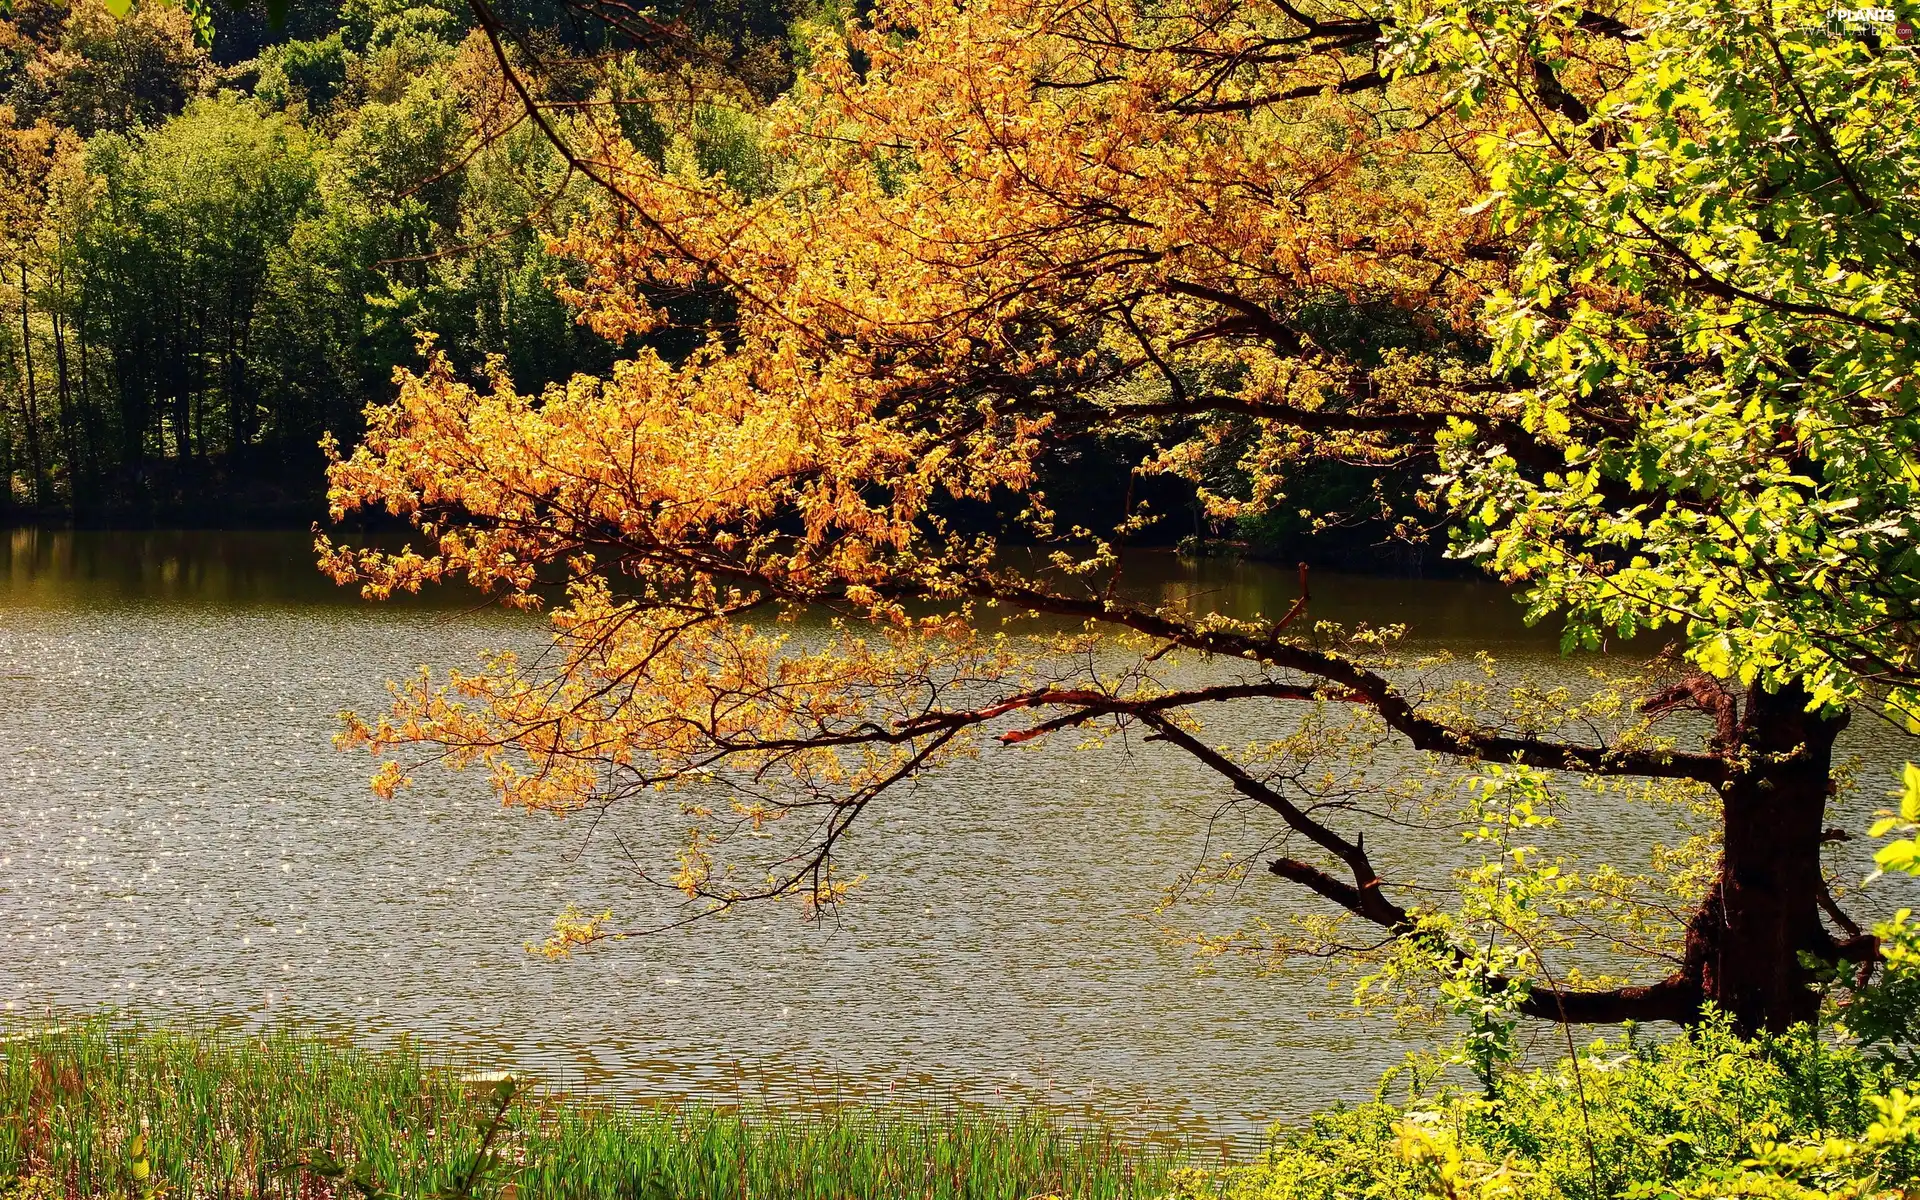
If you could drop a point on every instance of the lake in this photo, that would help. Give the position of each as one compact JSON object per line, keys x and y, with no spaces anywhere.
{"x":179,"y":838}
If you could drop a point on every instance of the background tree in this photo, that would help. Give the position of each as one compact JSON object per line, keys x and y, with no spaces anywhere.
{"x":211,"y":283}
{"x":36,"y":158}
{"x":113,"y":73}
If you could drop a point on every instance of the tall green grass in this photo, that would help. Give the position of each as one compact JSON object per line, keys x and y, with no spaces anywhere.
{"x":282,"y":1115}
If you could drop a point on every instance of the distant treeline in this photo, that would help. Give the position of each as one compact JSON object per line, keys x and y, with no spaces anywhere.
{"x":212,"y":256}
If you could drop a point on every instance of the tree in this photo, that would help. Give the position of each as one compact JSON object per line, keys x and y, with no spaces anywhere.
{"x":197,"y":294}
{"x":177,"y":243}
{"x":113,"y":73}
{"x":1654,"y":267}
{"x":39,"y":160}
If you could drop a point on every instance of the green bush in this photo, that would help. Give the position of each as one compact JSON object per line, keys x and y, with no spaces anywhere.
{"x":1705,"y":1114}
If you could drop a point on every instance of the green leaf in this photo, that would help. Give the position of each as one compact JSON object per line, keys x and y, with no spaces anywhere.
{"x":1903,"y":855}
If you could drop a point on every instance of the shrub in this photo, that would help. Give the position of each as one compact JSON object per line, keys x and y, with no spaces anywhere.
{"x":1703,"y":1114}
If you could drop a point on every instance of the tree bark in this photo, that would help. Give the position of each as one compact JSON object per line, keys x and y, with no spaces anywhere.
{"x":89,"y":426}
{"x":1744,"y":944}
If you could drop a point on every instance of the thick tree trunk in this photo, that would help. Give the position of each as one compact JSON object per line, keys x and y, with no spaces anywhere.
{"x":1773,"y":766}
{"x":1744,"y":945}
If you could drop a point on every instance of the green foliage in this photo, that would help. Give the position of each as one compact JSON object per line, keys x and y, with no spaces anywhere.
{"x":1796,"y":1116}
{"x":108,"y":74}
{"x":183,"y":220}
{"x":306,"y":72}
{"x":1885,"y":1017}
{"x":1903,"y":853}
{"x":1811,"y":1113}
{"x":1724,"y":244}
{"x":222,"y":280}
{"x":726,"y":142}
{"x":1703,"y":1114}
{"x":1482,"y":955}
{"x":222,"y":286}
{"x":377,"y":23}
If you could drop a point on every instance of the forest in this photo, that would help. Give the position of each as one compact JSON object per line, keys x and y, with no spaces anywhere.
{"x":219,"y":244}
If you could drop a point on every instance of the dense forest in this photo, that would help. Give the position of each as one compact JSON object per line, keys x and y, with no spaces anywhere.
{"x":218,"y":244}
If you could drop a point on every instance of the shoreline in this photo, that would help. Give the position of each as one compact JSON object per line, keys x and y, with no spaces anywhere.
{"x":1390,"y":562}
{"x":285,"y":1111}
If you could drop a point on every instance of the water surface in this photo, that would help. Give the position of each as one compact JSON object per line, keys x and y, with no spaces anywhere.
{"x":178,"y":837}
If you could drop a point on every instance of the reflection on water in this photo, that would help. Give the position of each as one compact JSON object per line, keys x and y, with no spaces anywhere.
{"x":45,"y":568}
{"x":177,"y":835}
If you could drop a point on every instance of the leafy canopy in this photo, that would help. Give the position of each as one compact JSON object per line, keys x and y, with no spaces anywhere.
{"x":1727,"y":246}
{"x":1649,"y":271}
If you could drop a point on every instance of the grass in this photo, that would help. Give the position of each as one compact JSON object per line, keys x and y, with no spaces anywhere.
{"x":85,"y":1105}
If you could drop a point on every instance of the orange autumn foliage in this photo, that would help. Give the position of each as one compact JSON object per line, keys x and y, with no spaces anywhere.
{"x":1021,"y":221}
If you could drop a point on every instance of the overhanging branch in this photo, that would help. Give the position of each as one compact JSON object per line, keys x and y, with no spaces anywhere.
{"x":1376,"y":691}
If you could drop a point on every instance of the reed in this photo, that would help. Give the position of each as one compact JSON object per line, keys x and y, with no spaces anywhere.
{"x":98,"y":1107}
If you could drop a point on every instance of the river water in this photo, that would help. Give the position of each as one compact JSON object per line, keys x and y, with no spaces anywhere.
{"x":178,"y":838}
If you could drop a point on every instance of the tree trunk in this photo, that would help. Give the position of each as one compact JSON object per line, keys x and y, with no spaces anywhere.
{"x":89,"y":418}
{"x":30,"y":400}
{"x":7,"y":448}
{"x":1744,"y":945}
{"x":69,"y":433}
{"x":69,"y":318}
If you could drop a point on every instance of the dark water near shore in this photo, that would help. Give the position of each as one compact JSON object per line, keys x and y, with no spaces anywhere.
{"x":177,"y":836}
